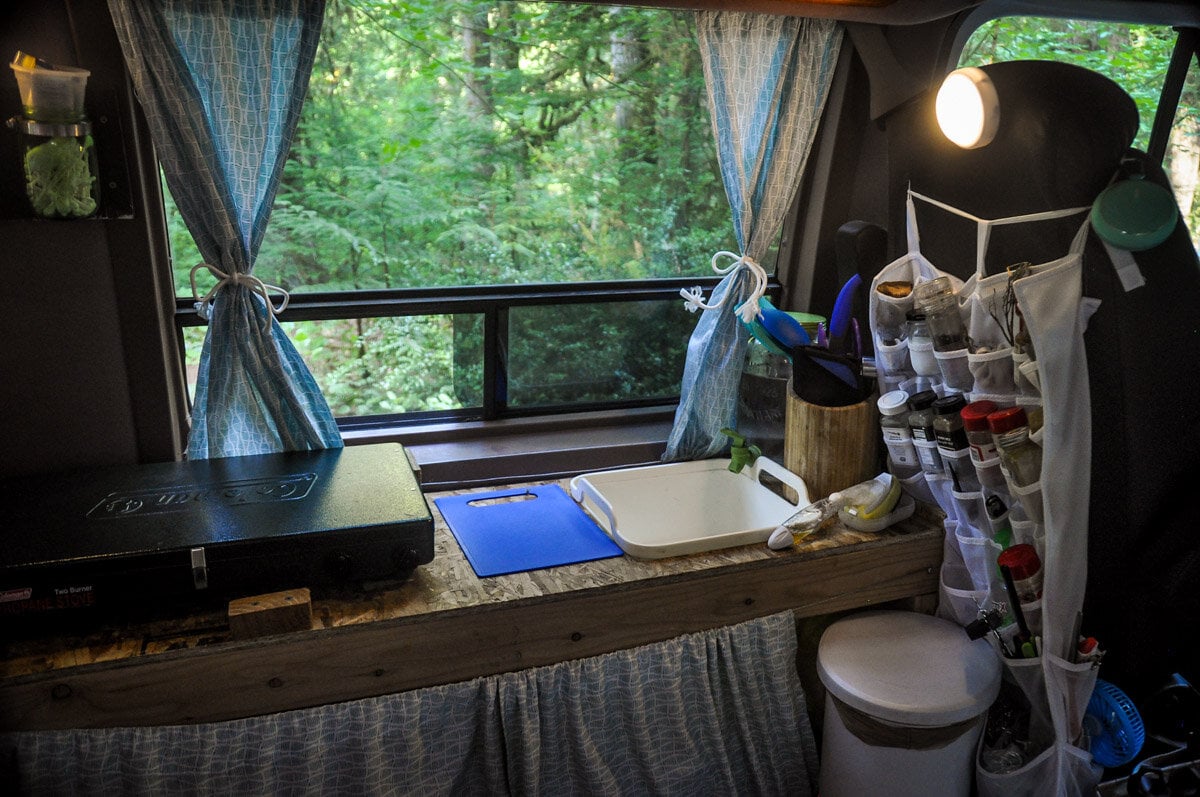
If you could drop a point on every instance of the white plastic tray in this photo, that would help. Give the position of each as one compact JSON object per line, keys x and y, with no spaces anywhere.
{"x":687,"y":507}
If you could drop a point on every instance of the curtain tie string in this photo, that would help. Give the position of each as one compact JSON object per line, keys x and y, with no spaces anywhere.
{"x":252,"y":282}
{"x":747,"y":310}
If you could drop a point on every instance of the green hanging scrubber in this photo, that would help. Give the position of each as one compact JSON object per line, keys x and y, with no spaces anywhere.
{"x":740,"y":454}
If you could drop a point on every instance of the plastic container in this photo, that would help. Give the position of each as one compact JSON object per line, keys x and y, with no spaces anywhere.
{"x":949,"y":433}
{"x":920,"y":421}
{"x":1021,"y":457}
{"x":50,"y":94}
{"x":687,"y":507}
{"x":1026,"y":568}
{"x":979,"y":435}
{"x":897,"y":436}
{"x":905,"y":700}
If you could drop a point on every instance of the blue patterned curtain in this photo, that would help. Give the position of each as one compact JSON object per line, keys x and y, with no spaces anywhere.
{"x":767,"y":78}
{"x":222,"y":83}
{"x":720,"y":712}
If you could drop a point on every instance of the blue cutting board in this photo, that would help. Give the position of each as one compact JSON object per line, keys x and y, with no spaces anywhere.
{"x":502,"y":536}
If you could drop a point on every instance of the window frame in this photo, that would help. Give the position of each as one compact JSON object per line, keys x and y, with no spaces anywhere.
{"x":493,"y":302}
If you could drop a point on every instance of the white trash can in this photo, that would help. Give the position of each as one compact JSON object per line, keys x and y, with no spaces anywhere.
{"x":906,"y":698}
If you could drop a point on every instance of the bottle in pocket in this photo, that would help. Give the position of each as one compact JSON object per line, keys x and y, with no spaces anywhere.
{"x":1020,"y":456}
{"x":897,"y":436}
{"x":920,"y":345}
{"x":939,"y":301}
{"x":952,"y":442}
{"x":1026,"y":568}
{"x":920,"y":421}
{"x":979,"y":435}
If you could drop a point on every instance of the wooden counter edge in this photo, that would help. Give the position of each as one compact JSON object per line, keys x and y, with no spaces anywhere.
{"x":299,"y":670}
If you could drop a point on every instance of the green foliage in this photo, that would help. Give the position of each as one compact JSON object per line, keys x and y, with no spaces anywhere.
{"x":1133,"y":56}
{"x":464,"y":143}
{"x":472,"y":142}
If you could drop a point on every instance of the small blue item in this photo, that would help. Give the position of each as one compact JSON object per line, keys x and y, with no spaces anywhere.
{"x":1114,"y":726}
{"x":510,"y":531}
{"x":785,"y":330}
{"x":762,"y":336}
{"x":839,"y":320}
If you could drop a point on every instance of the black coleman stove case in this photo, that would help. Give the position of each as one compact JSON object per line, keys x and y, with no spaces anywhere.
{"x":206,"y":531}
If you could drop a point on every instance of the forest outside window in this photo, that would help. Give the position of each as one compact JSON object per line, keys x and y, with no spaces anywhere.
{"x":489,"y":208}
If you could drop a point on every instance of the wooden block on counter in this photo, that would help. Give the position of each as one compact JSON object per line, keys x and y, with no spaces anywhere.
{"x":269,"y":614}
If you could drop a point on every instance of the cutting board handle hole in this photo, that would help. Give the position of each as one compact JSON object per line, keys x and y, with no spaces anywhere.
{"x":503,"y":499}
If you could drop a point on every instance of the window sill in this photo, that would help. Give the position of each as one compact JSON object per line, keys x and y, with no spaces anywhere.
{"x":458,"y":455}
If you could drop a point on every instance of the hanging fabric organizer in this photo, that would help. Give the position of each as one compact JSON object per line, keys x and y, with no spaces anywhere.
{"x":1052,"y":515}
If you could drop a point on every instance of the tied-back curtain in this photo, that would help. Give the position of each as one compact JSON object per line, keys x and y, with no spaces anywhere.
{"x":721,"y":712}
{"x":222,"y":83}
{"x":767,"y":78}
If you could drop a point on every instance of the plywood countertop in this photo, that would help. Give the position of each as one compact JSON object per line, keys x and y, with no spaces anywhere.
{"x":445,"y":625}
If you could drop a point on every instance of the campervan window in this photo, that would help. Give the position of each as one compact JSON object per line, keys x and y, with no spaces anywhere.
{"x":490,"y":213}
{"x":1136,"y":57}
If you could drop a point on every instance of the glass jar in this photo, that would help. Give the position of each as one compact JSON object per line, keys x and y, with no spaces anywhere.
{"x":1020,"y":456}
{"x":939,"y":301}
{"x":59,"y":163}
{"x":762,"y":398}
{"x":920,"y":344}
{"x":920,"y":421}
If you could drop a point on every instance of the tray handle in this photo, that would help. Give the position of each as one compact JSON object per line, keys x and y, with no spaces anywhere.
{"x":763,"y":465}
{"x":582,"y":488}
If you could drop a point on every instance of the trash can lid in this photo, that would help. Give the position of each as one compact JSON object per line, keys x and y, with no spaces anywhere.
{"x":907,"y":668}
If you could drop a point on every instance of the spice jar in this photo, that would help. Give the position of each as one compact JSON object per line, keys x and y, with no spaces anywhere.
{"x":952,"y":442}
{"x":979,"y":435}
{"x":1026,"y":569}
{"x":920,"y":421}
{"x":1020,"y":457}
{"x":948,"y":424}
{"x":939,"y":301}
{"x":897,"y":436}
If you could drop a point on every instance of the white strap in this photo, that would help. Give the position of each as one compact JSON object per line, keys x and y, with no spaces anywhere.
{"x":1127,"y":268}
{"x":747,"y":310}
{"x":235,"y":278}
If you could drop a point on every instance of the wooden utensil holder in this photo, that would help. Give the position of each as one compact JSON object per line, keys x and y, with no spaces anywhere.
{"x":831,"y":448}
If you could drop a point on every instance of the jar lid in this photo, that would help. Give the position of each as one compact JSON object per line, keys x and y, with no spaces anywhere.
{"x":914,"y":315}
{"x":949,"y":405}
{"x":975,"y":415}
{"x":1021,"y":560}
{"x":893,"y":402}
{"x":1007,"y":419}
{"x":922,"y":400}
{"x":32,"y":127}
